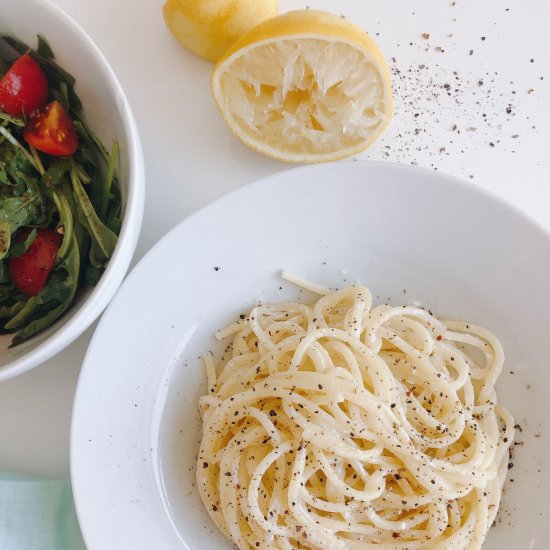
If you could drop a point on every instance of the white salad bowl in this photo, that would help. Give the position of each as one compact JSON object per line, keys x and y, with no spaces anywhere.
{"x":109,"y":116}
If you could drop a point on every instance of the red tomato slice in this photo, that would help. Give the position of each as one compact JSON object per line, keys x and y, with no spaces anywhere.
{"x":23,"y":88}
{"x":51,"y":131}
{"x":29,"y":271}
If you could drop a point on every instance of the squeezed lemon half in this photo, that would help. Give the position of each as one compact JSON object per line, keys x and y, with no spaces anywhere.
{"x":305,"y":86}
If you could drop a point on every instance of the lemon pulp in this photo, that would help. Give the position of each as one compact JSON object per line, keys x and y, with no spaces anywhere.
{"x":306,"y":86}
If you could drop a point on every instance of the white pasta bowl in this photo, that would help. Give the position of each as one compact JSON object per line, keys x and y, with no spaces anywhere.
{"x":412,"y":236}
{"x":108,"y":112}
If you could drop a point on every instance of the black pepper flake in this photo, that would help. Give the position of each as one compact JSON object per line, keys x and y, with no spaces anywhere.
{"x":217,"y":268}
{"x":205,"y":464}
{"x":483,"y":38}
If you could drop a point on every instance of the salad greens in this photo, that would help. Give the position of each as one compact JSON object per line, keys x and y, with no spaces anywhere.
{"x":76,"y":196}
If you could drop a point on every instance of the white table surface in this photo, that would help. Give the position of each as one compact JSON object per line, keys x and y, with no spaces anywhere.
{"x":471,"y":99}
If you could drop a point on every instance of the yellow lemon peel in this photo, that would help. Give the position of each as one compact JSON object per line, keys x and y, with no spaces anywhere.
{"x":209,"y":27}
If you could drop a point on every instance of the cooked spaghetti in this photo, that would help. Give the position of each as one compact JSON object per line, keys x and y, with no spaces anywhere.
{"x":342,"y":425}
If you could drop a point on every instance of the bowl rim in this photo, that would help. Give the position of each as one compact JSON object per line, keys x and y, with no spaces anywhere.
{"x":100,"y":296}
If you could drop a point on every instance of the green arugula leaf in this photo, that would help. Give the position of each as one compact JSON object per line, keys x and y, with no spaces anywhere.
{"x":9,"y":311}
{"x":55,"y":173}
{"x":19,"y":248}
{"x":65,"y":223}
{"x":7,"y":292}
{"x":43,"y":49}
{"x":19,"y":211}
{"x":90,"y":139}
{"x":104,"y":191}
{"x":92,"y":275}
{"x":103,"y":239}
{"x":5,"y":239}
{"x":4,"y":279}
{"x":4,"y":179}
{"x":13,"y":159}
{"x":23,"y":315}
{"x":12,"y":119}
{"x":11,"y":138}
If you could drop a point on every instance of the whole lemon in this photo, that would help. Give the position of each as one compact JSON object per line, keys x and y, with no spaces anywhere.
{"x":209,"y":27}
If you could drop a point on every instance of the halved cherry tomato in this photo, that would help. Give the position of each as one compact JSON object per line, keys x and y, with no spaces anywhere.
{"x":23,"y":88}
{"x":51,"y":131}
{"x":29,"y":271}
